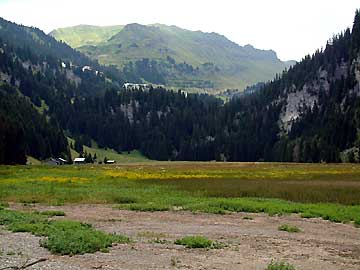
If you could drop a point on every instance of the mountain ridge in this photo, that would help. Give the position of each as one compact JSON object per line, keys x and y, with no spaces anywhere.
{"x":233,"y":65}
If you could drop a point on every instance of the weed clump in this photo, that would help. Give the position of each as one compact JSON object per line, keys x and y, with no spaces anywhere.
{"x":4,"y":205}
{"x":289,"y":228}
{"x":198,"y":242}
{"x":357,"y":223}
{"x":63,"y":237}
{"x":280,"y":266}
{"x":145,"y":207}
{"x":52,"y":213}
{"x":70,"y":238}
{"x":125,"y":200}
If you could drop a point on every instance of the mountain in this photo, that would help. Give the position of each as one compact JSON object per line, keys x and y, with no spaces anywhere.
{"x":49,"y":90}
{"x":309,"y":113}
{"x":173,"y":56}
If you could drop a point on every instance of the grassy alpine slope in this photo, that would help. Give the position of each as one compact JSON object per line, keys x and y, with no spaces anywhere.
{"x":312,"y":190}
{"x":86,"y":34}
{"x":101,"y":153}
{"x":234,"y":66}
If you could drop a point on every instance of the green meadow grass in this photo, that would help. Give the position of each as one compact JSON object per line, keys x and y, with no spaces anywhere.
{"x":64,"y":237}
{"x":198,"y":241}
{"x":53,"y":213}
{"x":101,"y":153}
{"x":311,"y":190}
{"x":280,"y":266}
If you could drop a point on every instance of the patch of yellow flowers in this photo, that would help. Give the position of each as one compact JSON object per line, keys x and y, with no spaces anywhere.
{"x":58,"y":179}
{"x":143,"y":175}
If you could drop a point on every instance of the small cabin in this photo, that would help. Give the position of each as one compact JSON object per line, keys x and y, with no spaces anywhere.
{"x":79,"y":161}
{"x":110,"y":161}
{"x":53,"y":161}
{"x":62,"y":161}
{"x":56,"y":161}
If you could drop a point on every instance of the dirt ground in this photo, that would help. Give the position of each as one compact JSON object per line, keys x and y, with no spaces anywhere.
{"x":250,"y":244}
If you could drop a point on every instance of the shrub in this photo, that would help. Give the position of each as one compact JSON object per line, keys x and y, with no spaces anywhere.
{"x":288,"y":228}
{"x":280,"y":266}
{"x":198,"y":242}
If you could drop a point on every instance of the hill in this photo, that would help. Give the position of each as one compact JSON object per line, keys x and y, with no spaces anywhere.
{"x":173,"y":56}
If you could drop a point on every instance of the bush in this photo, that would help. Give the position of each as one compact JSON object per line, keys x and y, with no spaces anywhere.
{"x":280,"y":266}
{"x":288,"y":228}
{"x":198,"y":242}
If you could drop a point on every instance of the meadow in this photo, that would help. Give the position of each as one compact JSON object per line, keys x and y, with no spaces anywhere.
{"x":329,"y":191}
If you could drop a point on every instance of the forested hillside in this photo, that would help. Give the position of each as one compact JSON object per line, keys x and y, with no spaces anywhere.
{"x":38,"y":76}
{"x":310,"y":113}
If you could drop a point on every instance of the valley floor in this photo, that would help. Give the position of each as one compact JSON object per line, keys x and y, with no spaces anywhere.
{"x":250,"y":243}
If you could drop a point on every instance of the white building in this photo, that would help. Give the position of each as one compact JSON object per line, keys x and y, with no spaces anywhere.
{"x":79,"y":160}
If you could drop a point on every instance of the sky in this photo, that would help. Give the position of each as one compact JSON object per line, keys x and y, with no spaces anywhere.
{"x":292,"y":28}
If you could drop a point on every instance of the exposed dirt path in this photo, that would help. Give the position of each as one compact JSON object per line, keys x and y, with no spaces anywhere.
{"x":251,"y":244}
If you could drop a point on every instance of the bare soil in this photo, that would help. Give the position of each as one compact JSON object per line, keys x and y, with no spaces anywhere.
{"x":250,"y":244}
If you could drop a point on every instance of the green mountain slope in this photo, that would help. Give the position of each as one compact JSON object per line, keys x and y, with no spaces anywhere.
{"x":176,"y":57}
{"x":86,"y":34}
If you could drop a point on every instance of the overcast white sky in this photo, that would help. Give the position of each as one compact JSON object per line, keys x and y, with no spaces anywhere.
{"x":292,"y":28}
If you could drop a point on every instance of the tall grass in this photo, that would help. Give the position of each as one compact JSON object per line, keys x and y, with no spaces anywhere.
{"x":327,"y":191}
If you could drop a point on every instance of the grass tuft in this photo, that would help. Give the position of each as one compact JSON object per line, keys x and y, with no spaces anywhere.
{"x":4,"y":205}
{"x":198,"y":242}
{"x":53,"y":213}
{"x":144,"y":207}
{"x":63,"y":237}
{"x":124,"y":200}
{"x":357,"y":223}
{"x":308,"y":215}
{"x":289,"y":228}
{"x":70,"y":238}
{"x":280,"y":266}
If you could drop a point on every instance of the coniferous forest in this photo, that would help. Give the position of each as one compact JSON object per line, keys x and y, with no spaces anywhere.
{"x":49,"y":91}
